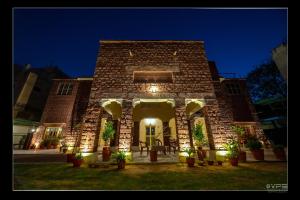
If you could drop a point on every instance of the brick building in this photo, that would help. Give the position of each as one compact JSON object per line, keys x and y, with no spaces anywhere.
{"x":149,"y":90}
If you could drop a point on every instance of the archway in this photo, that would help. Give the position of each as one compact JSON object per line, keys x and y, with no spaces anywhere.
{"x":112,"y":110}
{"x":194,"y":110}
{"x":155,"y":116}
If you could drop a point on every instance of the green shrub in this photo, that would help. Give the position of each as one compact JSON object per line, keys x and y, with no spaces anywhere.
{"x":79,"y":156}
{"x":108,"y":132}
{"x":120,"y":155}
{"x":254,"y":144}
{"x":199,"y":135}
{"x":278,"y":147}
{"x":232,"y":149}
{"x":189,"y":151}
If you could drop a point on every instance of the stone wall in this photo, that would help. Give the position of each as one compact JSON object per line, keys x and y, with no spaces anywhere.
{"x":65,"y":111}
{"x":113,"y":78}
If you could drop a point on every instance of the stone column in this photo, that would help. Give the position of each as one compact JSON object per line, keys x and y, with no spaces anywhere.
{"x":126,"y":126}
{"x":38,"y":136}
{"x":181,"y":120}
{"x":91,"y":128}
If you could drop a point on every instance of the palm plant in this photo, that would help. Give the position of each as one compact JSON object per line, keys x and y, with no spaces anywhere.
{"x":199,"y":135}
{"x":108,"y":132}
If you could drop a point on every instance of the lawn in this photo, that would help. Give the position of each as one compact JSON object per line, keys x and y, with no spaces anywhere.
{"x":247,"y":176}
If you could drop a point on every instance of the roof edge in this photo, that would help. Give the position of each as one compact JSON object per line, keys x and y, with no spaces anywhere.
{"x":145,"y":41}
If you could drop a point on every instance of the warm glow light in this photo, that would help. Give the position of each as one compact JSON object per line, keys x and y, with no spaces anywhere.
{"x":221,"y":153}
{"x":149,"y":121}
{"x":85,"y":149}
{"x":153,"y":89}
{"x":86,"y":154}
{"x":33,"y":130}
{"x":36,"y":144}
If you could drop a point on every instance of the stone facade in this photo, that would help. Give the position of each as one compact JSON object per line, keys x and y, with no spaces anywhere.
{"x":193,"y":79}
{"x":65,"y":111}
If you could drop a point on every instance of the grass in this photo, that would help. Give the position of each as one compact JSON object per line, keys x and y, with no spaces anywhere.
{"x":247,"y":176}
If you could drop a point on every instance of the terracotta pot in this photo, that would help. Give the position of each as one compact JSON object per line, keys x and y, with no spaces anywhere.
{"x":77,"y":163}
{"x":200,"y":155}
{"x":190,"y":162}
{"x":234,"y":161}
{"x":70,"y":157}
{"x":242,"y":156}
{"x":210,"y":162}
{"x":153,"y":155}
{"x":280,"y":154}
{"x":258,"y":154}
{"x":203,"y":153}
{"x":121,"y":164}
{"x":220,"y":163}
{"x":106,"y":154}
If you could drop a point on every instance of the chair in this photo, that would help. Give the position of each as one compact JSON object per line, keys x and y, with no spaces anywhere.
{"x":142,"y":146}
{"x":159,"y":146}
{"x":173,"y":145}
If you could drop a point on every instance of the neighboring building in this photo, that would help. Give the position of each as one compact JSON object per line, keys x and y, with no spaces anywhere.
{"x":22,"y":133}
{"x":279,"y":55}
{"x":273,"y":116}
{"x":150,"y":90}
{"x":66,"y":104}
{"x":31,"y":89}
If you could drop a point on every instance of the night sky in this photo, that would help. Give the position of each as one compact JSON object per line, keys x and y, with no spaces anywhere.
{"x":236,"y":39}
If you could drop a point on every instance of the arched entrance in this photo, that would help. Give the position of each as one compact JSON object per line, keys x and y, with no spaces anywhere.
{"x":112,"y":110}
{"x":194,"y":110}
{"x":153,"y":119}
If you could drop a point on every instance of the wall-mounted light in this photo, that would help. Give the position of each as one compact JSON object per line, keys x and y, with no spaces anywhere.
{"x":153,"y":88}
{"x":149,"y":121}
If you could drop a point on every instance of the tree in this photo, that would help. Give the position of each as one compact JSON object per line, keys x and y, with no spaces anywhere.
{"x":265,"y":81}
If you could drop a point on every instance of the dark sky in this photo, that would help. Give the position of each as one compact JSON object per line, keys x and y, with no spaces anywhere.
{"x":236,"y":39}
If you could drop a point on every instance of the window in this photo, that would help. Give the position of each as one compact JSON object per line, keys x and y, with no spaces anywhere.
{"x":148,"y":134}
{"x":153,"y":77}
{"x":65,"y":89}
{"x":233,"y":88}
{"x":53,"y":131}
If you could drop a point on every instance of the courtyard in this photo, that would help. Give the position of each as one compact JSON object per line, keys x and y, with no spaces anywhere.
{"x":177,"y":176}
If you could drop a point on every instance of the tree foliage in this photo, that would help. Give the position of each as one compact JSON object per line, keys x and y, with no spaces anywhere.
{"x":265,"y":81}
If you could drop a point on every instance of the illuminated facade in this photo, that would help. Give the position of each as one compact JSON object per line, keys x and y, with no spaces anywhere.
{"x":170,"y":84}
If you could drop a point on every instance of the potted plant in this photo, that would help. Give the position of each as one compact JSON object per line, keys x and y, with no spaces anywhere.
{"x":255,"y":147}
{"x":65,"y":148}
{"x":232,"y":151}
{"x":210,"y":162}
{"x":153,"y":154}
{"x":200,"y":140}
{"x":78,"y":160}
{"x":54,"y":142}
{"x":190,"y":159}
{"x":240,"y":131}
{"x":279,"y":152}
{"x":220,"y":162}
{"x":106,"y":136}
{"x":121,"y":159}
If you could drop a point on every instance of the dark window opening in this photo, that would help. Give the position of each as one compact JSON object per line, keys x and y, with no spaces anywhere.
{"x":153,"y":77}
{"x":233,"y":89}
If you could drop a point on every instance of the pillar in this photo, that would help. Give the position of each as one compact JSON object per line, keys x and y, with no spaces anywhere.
{"x":126,"y":126}
{"x":91,"y":128}
{"x":181,"y":120}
